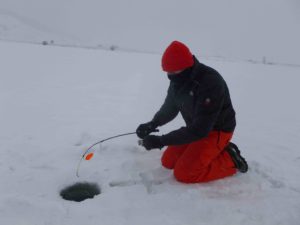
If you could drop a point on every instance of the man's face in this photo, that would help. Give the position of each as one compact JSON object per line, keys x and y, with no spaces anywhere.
{"x":180,"y":76}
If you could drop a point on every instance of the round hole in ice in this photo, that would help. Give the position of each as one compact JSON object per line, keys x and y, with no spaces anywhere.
{"x":80,"y":191}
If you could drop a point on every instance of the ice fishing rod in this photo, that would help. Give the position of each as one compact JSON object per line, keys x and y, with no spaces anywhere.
{"x":87,"y":155}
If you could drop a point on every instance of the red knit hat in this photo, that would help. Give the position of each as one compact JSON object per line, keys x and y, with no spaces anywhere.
{"x":176,"y":57}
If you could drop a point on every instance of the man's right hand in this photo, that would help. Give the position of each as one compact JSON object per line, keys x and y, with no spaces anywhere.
{"x":145,"y":129}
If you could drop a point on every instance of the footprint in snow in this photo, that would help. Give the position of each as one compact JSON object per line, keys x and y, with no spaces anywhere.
{"x":262,"y":172}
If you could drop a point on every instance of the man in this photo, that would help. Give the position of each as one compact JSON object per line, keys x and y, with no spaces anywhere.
{"x":201,"y":151}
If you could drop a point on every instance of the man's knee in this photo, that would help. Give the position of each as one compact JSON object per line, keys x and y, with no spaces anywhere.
{"x":189,"y":175}
{"x":171,"y":156}
{"x":167,"y":162}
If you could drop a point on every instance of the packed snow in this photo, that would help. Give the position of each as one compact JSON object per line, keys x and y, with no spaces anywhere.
{"x":55,"y":102}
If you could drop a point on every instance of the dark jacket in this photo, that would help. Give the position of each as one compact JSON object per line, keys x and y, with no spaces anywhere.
{"x":204,"y":103}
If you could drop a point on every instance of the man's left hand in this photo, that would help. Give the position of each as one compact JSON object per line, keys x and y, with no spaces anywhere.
{"x":152,"y":141}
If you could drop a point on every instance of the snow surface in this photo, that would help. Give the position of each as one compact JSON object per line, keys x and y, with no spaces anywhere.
{"x":56,"y":101}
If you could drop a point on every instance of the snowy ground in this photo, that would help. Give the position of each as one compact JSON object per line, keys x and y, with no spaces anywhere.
{"x":55,"y":102}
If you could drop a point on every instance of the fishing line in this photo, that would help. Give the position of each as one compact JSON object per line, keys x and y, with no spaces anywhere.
{"x":88,"y":154}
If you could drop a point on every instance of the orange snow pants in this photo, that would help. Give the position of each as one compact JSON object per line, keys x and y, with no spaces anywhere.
{"x":200,"y":161}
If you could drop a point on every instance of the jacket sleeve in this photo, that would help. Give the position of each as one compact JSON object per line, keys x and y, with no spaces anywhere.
{"x":168,"y":110}
{"x":207,"y":108}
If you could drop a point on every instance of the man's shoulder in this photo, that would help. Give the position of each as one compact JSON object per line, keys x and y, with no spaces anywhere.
{"x":207,"y":76}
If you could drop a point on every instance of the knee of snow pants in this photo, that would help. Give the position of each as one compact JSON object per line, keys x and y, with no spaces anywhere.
{"x":171,"y":155}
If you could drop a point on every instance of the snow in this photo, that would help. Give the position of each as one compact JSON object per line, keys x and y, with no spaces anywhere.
{"x":57,"y":101}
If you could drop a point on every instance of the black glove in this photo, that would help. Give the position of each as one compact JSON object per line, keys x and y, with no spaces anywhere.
{"x":152,"y":141}
{"x":145,"y":129}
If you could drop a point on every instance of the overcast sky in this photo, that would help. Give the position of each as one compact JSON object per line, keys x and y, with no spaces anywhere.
{"x":234,"y":28}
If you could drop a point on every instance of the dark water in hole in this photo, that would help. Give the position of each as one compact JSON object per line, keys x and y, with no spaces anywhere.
{"x":80,"y":191}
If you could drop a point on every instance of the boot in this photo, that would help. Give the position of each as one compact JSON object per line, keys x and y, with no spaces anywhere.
{"x":239,"y":162}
